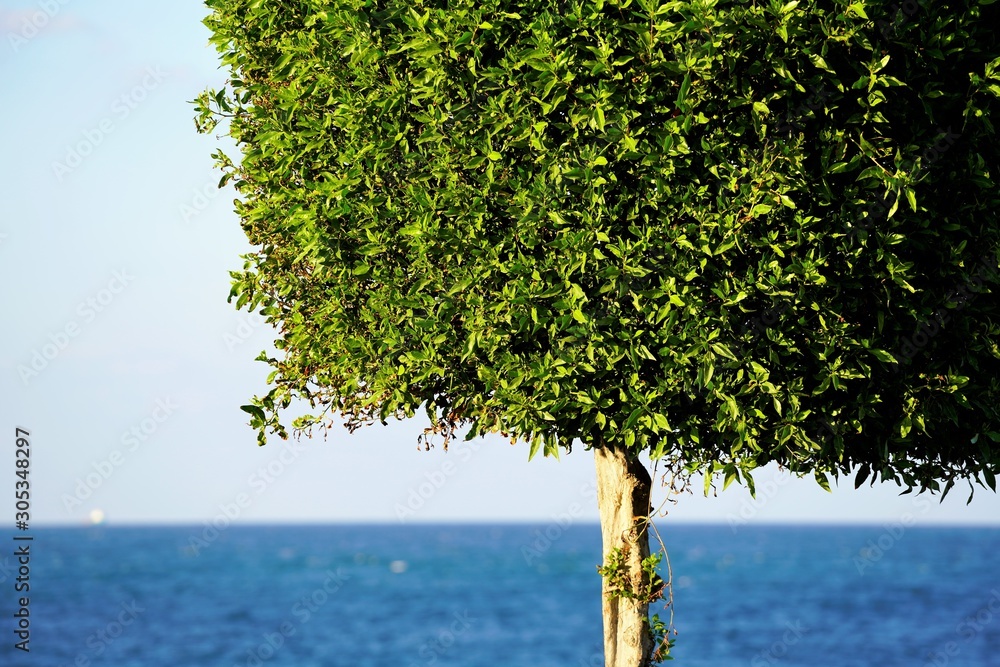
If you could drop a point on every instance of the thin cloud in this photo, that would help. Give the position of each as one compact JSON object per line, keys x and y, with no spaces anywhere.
{"x":27,"y":23}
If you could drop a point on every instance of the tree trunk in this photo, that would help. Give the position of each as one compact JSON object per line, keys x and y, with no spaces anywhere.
{"x":623,"y":488}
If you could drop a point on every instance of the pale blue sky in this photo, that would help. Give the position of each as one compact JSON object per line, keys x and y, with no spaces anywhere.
{"x":118,"y":261}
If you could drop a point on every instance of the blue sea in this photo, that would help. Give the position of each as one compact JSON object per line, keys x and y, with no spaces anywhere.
{"x":497,"y":596}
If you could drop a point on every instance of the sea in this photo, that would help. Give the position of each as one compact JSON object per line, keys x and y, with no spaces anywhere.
{"x":512,"y":595}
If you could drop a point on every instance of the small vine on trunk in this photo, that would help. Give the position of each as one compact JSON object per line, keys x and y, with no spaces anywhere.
{"x":646,"y":591}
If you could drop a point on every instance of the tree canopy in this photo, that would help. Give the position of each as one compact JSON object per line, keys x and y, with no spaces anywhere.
{"x":724,"y":233}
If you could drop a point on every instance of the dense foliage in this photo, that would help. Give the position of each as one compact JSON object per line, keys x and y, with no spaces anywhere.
{"x":726,"y":233}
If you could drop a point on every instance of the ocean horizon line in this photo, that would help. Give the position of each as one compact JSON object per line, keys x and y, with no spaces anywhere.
{"x":722,"y":523}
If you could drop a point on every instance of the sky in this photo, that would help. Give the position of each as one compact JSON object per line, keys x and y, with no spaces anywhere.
{"x":126,"y":365}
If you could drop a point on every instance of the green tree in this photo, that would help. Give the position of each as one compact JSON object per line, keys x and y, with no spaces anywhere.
{"x":725,"y":234}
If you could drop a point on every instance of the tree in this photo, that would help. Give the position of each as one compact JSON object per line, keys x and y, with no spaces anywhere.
{"x":725,"y":234}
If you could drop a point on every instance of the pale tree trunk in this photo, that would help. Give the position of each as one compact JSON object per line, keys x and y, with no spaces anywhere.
{"x":623,"y":488}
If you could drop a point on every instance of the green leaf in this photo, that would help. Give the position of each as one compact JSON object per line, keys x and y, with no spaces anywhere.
{"x":823,"y":481}
{"x":990,"y":478}
{"x":536,"y":444}
{"x":599,"y":117}
{"x":862,"y":475}
{"x":732,"y":475}
{"x":819,"y":62}
{"x":683,"y":92}
{"x":884,"y":356}
{"x":254,"y":411}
